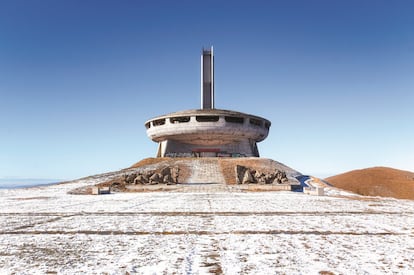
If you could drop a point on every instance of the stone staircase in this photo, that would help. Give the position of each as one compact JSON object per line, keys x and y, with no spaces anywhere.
{"x":207,"y":188}
{"x":206,"y":171}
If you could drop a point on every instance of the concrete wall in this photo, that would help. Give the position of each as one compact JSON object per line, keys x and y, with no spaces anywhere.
{"x":207,"y":132}
{"x":200,"y":131}
{"x":172,"y":148}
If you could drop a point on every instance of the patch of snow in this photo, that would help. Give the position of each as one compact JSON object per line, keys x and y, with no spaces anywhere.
{"x":45,"y":230}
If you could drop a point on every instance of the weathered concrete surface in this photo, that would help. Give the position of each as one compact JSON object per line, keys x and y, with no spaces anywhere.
{"x":206,"y":171}
{"x":183,"y":133}
{"x":45,"y":231}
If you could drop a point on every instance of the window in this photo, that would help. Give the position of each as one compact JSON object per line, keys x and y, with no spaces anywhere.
{"x":255,"y":122}
{"x":207,"y":118}
{"x":234,"y":119}
{"x":158,"y":122}
{"x":180,"y":119}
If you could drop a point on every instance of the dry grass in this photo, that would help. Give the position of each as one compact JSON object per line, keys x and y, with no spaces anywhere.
{"x":377,"y":181}
{"x":148,"y":161}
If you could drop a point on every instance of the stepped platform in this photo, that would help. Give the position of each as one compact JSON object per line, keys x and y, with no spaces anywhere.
{"x":208,"y":174}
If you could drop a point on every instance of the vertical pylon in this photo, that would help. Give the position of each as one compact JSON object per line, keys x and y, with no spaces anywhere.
{"x":207,"y":79}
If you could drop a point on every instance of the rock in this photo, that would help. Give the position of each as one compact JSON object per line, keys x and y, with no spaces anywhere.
{"x":139,"y":179}
{"x":115,"y":186}
{"x":167,"y":179}
{"x":166,"y":171}
{"x":269,"y":178}
{"x":261,"y":180}
{"x":277,"y":181}
{"x":166,"y":175}
{"x":257,"y":174}
{"x":259,"y":177}
{"x":247,"y":178}
{"x":240,"y":171}
{"x":154,"y":179}
{"x":280,"y":177}
{"x":145,"y":177}
{"x":245,"y":175}
{"x":130,"y":178}
{"x":175,"y":172}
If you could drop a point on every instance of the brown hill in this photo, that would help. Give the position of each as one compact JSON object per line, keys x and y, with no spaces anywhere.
{"x":377,"y":181}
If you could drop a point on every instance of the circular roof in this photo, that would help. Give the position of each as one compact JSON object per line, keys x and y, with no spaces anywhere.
{"x":197,"y":112}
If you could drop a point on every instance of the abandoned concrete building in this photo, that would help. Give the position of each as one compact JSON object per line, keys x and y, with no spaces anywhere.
{"x":207,"y":132}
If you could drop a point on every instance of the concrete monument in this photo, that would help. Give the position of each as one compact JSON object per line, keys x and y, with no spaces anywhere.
{"x":207,"y":132}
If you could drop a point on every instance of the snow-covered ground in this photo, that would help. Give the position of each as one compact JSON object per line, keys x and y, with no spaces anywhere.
{"x":44,"y":230}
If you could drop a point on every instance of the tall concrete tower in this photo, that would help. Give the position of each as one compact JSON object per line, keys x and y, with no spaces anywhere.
{"x":207,"y":132}
{"x":207,"y":79}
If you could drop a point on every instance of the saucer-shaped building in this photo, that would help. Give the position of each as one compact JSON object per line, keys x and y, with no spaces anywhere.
{"x":207,"y":132}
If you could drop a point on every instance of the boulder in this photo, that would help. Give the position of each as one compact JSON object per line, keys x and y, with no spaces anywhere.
{"x":280,"y":177}
{"x":155,"y":178}
{"x":166,"y":171}
{"x":139,"y":179}
{"x":167,"y":179}
{"x":269,"y":178}
{"x":145,"y":177}
{"x":175,"y":172}
{"x":247,"y":178}
{"x":129,"y":178}
{"x":257,"y":174}
{"x":240,"y":171}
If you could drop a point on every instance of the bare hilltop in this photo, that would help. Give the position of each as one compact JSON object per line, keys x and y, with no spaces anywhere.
{"x":377,"y":181}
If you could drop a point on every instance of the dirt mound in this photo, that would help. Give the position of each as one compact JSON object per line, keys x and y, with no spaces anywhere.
{"x":377,"y":181}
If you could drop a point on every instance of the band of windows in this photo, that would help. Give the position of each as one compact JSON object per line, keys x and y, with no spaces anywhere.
{"x":208,"y":118}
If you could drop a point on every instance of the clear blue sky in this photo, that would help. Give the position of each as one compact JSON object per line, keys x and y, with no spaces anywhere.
{"x":78,"y":79}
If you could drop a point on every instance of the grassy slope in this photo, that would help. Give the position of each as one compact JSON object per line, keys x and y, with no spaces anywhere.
{"x":377,"y":181}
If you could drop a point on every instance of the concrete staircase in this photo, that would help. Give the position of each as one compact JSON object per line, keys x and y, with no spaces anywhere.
{"x":206,"y":171}
{"x":207,"y":188}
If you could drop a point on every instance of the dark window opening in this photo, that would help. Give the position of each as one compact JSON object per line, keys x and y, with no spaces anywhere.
{"x":180,"y":119}
{"x":255,"y":122}
{"x":207,"y":118}
{"x":234,"y":119}
{"x":148,"y":125}
{"x":158,"y":122}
